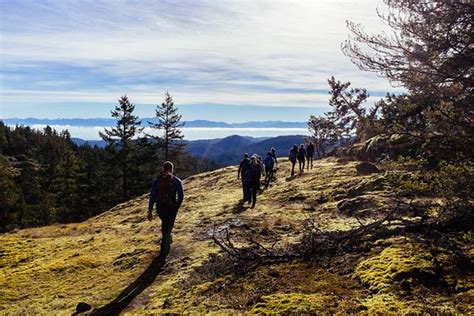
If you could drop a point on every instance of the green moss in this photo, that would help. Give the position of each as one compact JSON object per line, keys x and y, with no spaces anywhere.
{"x":403,"y":261}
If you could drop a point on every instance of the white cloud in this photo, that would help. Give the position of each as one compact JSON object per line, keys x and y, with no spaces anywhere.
{"x":233,"y":52}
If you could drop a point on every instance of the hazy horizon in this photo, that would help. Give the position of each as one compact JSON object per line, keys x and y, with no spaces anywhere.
{"x":190,"y":133}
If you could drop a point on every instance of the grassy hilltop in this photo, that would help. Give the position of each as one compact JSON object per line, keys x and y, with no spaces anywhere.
{"x":49,"y":270}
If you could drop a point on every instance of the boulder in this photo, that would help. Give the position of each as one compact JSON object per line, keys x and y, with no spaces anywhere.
{"x":366,"y":168}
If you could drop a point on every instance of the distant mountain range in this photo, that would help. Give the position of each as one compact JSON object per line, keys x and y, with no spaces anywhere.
{"x":229,"y":150}
{"x":112,"y":122}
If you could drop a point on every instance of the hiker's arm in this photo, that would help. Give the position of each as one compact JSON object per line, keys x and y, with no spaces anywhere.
{"x":238,"y":171}
{"x":180,"y":191}
{"x":152,"y":201}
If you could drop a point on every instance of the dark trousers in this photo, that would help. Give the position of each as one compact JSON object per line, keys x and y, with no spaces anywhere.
{"x":293,"y":163}
{"x":254,"y":187}
{"x":301,"y":164}
{"x":310,"y":160}
{"x":268,"y":177}
{"x":246,"y":190}
{"x":167,"y":222}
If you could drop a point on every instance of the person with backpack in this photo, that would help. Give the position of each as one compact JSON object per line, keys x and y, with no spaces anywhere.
{"x":269,"y":163}
{"x":167,"y":193}
{"x":256,"y":171}
{"x":310,"y":154}
{"x":292,"y":157}
{"x":243,"y":167}
{"x":301,"y":157}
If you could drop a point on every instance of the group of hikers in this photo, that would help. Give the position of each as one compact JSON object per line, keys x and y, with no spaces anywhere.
{"x":251,"y":169}
{"x":167,"y":191}
{"x":301,"y":155}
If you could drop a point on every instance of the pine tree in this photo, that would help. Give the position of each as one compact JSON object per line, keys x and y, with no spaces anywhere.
{"x":120,"y":138}
{"x":169,"y":122}
{"x":428,"y":51}
{"x":69,"y":187}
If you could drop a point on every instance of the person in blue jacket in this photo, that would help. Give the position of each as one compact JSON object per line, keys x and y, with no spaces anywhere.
{"x":167,"y":193}
{"x":269,"y":163}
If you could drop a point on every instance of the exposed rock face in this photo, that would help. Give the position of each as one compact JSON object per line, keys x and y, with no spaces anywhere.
{"x":366,"y":168}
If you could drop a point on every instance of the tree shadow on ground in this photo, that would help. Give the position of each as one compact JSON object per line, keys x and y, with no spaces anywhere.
{"x":130,"y":292}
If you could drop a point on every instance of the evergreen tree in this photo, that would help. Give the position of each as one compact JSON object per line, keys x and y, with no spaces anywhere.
{"x":169,"y":123}
{"x":9,"y":194}
{"x":430,"y":53}
{"x":120,"y":138}
{"x":69,"y":187}
{"x":323,"y":133}
{"x":3,"y":137}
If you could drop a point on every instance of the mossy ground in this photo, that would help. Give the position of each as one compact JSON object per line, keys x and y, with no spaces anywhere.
{"x":49,"y":270}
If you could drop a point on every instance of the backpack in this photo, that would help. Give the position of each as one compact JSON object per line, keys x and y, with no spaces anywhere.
{"x":163,"y":192}
{"x":255,"y":168}
{"x":269,"y":163}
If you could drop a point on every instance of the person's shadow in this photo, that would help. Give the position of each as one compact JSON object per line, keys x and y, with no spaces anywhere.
{"x":239,"y":207}
{"x":130,"y":292}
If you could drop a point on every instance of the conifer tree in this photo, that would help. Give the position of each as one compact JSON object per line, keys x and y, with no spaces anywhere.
{"x":120,"y":138}
{"x":169,"y":123}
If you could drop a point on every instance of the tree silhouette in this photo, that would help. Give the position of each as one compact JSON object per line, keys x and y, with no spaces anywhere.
{"x":430,"y":53}
{"x":169,"y":123}
{"x":120,"y":138}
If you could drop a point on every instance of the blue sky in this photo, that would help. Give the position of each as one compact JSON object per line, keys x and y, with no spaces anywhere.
{"x":223,"y":60}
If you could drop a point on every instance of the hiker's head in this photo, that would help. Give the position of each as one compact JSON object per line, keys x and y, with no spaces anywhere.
{"x":295,"y":146}
{"x":168,"y":167}
{"x":272,"y":149}
{"x":246,"y":155}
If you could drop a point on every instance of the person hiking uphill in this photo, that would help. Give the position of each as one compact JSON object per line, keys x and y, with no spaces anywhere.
{"x":310,"y":154}
{"x":167,"y":193}
{"x":243,"y":167}
{"x":301,"y":157}
{"x":255,"y":171}
{"x":273,"y":153}
{"x":292,"y":157}
{"x":269,"y":163}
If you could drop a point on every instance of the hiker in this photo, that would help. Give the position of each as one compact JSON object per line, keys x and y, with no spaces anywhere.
{"x":301,"y":157}
{"x":269,"y":163}
{"x":292,"y":157}
{"x":243,"y":167}
{"x":310,"y":154}
{"x":273,"y":152}
{"x":256,"y":171}
{"x":167,"y":193}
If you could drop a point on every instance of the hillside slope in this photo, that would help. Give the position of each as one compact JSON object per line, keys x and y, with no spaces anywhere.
{"x":49,"y":270}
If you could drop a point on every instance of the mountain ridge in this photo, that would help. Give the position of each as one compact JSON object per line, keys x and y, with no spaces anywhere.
{"x":107,"y":122}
